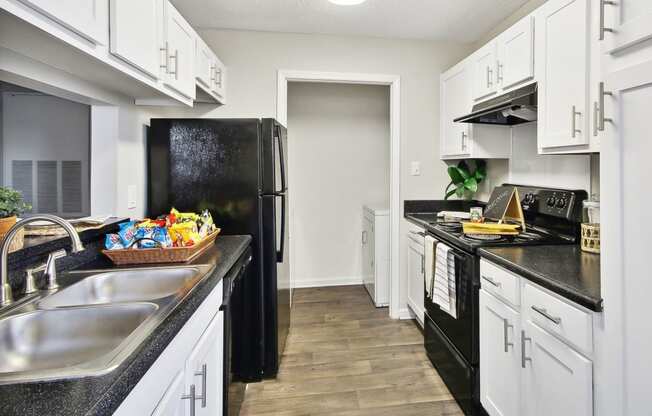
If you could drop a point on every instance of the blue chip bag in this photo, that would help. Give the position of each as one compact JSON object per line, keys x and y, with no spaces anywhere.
{"x":126,"y":233}
{"x":113,"y":242}
{"x":154,"y":237}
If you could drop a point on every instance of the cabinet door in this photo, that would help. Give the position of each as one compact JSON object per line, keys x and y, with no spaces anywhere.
{"x":204,"y":64}
{"x":625,"y":23}
{"x":558,"y":380}
{"x":500,"y":369}
{"x":516,"y":54}
{"x":87,"y":18}
{"x":219,"y":79}
{"x":172,"y":403}
{"x":455,"y":102}
{"x":626,"y":150}
{"x":204,"y":369}
{"x":484,"y":72}
{"x":180,"y":53}
{"x":415,"y":281}
{"x":562,"y":42}
{"x":135,"y":28}
{"x":367,"y":253}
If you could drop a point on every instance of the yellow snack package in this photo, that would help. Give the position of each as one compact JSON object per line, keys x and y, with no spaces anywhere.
{"x":184,"y":234}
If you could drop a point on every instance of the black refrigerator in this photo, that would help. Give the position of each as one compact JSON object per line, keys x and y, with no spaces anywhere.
{"x":235,"y":168}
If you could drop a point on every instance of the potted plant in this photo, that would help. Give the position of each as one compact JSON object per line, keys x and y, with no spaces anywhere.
{"x":464,"y":182}
{"x":11,"y":205}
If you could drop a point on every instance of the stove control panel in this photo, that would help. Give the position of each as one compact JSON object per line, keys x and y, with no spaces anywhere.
{"x":553,"y":202}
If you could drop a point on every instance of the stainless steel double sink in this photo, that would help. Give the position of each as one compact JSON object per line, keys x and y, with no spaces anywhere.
{"x":90,"y":327}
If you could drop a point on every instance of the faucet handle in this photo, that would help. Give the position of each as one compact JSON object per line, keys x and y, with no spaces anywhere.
{"x":51,"y":268}
{"x":30,"y":281}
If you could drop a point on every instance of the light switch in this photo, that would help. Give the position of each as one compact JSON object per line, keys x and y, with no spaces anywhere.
{"x":131,"y":197}
{"x":415,"y":168}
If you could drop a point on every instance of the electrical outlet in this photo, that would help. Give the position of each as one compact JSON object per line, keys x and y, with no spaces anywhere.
{"x":131,"y":197}
{"x":415,"y":168}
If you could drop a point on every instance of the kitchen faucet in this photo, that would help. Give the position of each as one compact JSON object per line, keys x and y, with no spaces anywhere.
{"x":6,"y":297}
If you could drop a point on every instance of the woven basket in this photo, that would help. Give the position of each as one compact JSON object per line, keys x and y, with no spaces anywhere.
{"x":591,"y":238}
{"x":160,"y":255}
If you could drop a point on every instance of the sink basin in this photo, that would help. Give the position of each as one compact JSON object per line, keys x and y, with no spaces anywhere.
{"x":63,"y":338}
{"x":125,"y":286}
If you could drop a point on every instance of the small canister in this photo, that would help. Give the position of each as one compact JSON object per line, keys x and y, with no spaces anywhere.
{"x":476,"y":214}
{"x":590,"y":240}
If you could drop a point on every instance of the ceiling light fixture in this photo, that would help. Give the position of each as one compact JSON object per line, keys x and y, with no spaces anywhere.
{"x":347,"y":2}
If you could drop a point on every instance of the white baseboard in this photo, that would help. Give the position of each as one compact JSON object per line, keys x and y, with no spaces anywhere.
{"x":327,"y":281}
{"x":405,"y":313}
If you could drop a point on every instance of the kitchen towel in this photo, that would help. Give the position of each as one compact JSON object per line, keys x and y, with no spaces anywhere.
{"x":444,"y":291}
{"x":430,"y":245}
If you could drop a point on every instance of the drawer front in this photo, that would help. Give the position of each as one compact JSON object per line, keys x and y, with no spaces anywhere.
{"x":558,"y":317}
{"x":416,"y":233}
{"x":500,"y":282}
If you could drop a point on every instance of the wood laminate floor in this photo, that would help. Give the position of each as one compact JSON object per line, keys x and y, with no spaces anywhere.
{"x":344,"y":357}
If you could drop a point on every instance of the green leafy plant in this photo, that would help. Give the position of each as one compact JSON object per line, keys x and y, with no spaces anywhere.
{"x":11,"y":203}
{"x":464,"y":182}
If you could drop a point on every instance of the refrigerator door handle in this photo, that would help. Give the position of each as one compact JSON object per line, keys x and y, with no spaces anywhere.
{"x":280,"y":253}
{"x":281,"y":158}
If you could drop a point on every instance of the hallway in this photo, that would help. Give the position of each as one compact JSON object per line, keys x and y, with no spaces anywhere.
{"x":344,"y":357}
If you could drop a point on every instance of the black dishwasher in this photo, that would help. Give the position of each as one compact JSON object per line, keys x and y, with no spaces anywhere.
{"x":235,"y":339}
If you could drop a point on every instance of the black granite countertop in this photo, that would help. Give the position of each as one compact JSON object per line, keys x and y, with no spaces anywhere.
{"x":102,"y":395}
{"x":563,"y":269}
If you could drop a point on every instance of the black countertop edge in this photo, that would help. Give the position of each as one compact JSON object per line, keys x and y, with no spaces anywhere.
{"x":37,"y":246}
{"x":102,"y":395}
{"x":436,"y":205}
{"x":530,"y":262}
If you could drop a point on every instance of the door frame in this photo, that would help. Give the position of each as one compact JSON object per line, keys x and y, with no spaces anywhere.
{"x":394,"y":82}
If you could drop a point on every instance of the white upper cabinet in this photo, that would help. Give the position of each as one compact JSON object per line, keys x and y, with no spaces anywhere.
{"x":136,"y":28}
{"x":455,"y":102}
{"x":624,"y":23}
{"x":210,"y":72}
{"x":87,"y":18}
{"x":516,"y":54}
{"x":558,"y":380}
{"x":562,"y":44}
{"x":179,"y":53}
{"x":219,"y":80}
{"x":485,"y":83}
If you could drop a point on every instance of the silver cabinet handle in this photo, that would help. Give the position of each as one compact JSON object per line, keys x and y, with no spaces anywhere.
{"x":364,"y":237}
{"x":464,"y":137}
{"x":604,"y":29}
{"x":166,"y":58}
{"x":192,"y":397}
{"x":574,"y":129}
{"x":176,"y":64}
{"x":499,"y":73}
{"x":506,"y":327}
{"x":601,"y":95}
{"x":596,"y":115}
{"x":204,"y":375}
{"x":213,"y":73}
{"x":542,"y":311}
{"x":489,"y":77}
{"x":219,"y":82}
{"x":491,"y":281}
{"x":524,"y":359}
{"x":423,"y":265}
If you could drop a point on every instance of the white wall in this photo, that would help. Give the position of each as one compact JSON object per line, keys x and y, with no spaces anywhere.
{"x":338,"y":142}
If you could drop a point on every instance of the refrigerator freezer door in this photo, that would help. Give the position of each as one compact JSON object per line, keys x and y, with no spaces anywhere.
{"x":274,"y":157}
{"x":276,"y":272}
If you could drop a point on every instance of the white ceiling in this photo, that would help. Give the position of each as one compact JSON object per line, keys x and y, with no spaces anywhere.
{"x":457,"y":20}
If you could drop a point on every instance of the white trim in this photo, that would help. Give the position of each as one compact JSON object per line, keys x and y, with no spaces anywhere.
{"x":407,"y":314}
{"x":394,"y":82}
{"x":328,"y":281}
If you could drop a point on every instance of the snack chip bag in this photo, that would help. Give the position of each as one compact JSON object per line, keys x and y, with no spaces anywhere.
{"x":184,"y":234}
{"x":126,"y":233}
{"x":184,"y":216}
{"x":113,"y":242}
{"x":153,"y":237}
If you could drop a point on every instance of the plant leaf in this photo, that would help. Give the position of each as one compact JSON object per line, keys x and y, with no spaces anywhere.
{"x":459,"y":191}
{"x":455,"y":175}
{"x":450,"y":193}
{"x":471,"y":184}
{"x":463,"y":169}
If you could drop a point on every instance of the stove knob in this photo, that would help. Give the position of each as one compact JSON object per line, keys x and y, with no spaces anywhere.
{"x":551,"y":201}
{"x":561,"y":203}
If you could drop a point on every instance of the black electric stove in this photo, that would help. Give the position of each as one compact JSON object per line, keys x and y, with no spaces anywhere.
{"x":552,"y":217}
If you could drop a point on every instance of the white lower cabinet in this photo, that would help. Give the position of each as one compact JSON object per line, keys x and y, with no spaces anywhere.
{"x":375,"y":253}
{"x":557,"y":379}
{"x":526,"y":369}
{"x":187,"y":378}
{"x":500,"y":373}
{"x":415,"y":273}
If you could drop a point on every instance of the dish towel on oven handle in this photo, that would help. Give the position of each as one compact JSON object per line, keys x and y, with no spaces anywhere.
{"x":429,"y":264}
{"x":445,"y":290}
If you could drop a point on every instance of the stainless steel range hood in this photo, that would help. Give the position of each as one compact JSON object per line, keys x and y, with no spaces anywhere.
{"x":516,"y":107}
